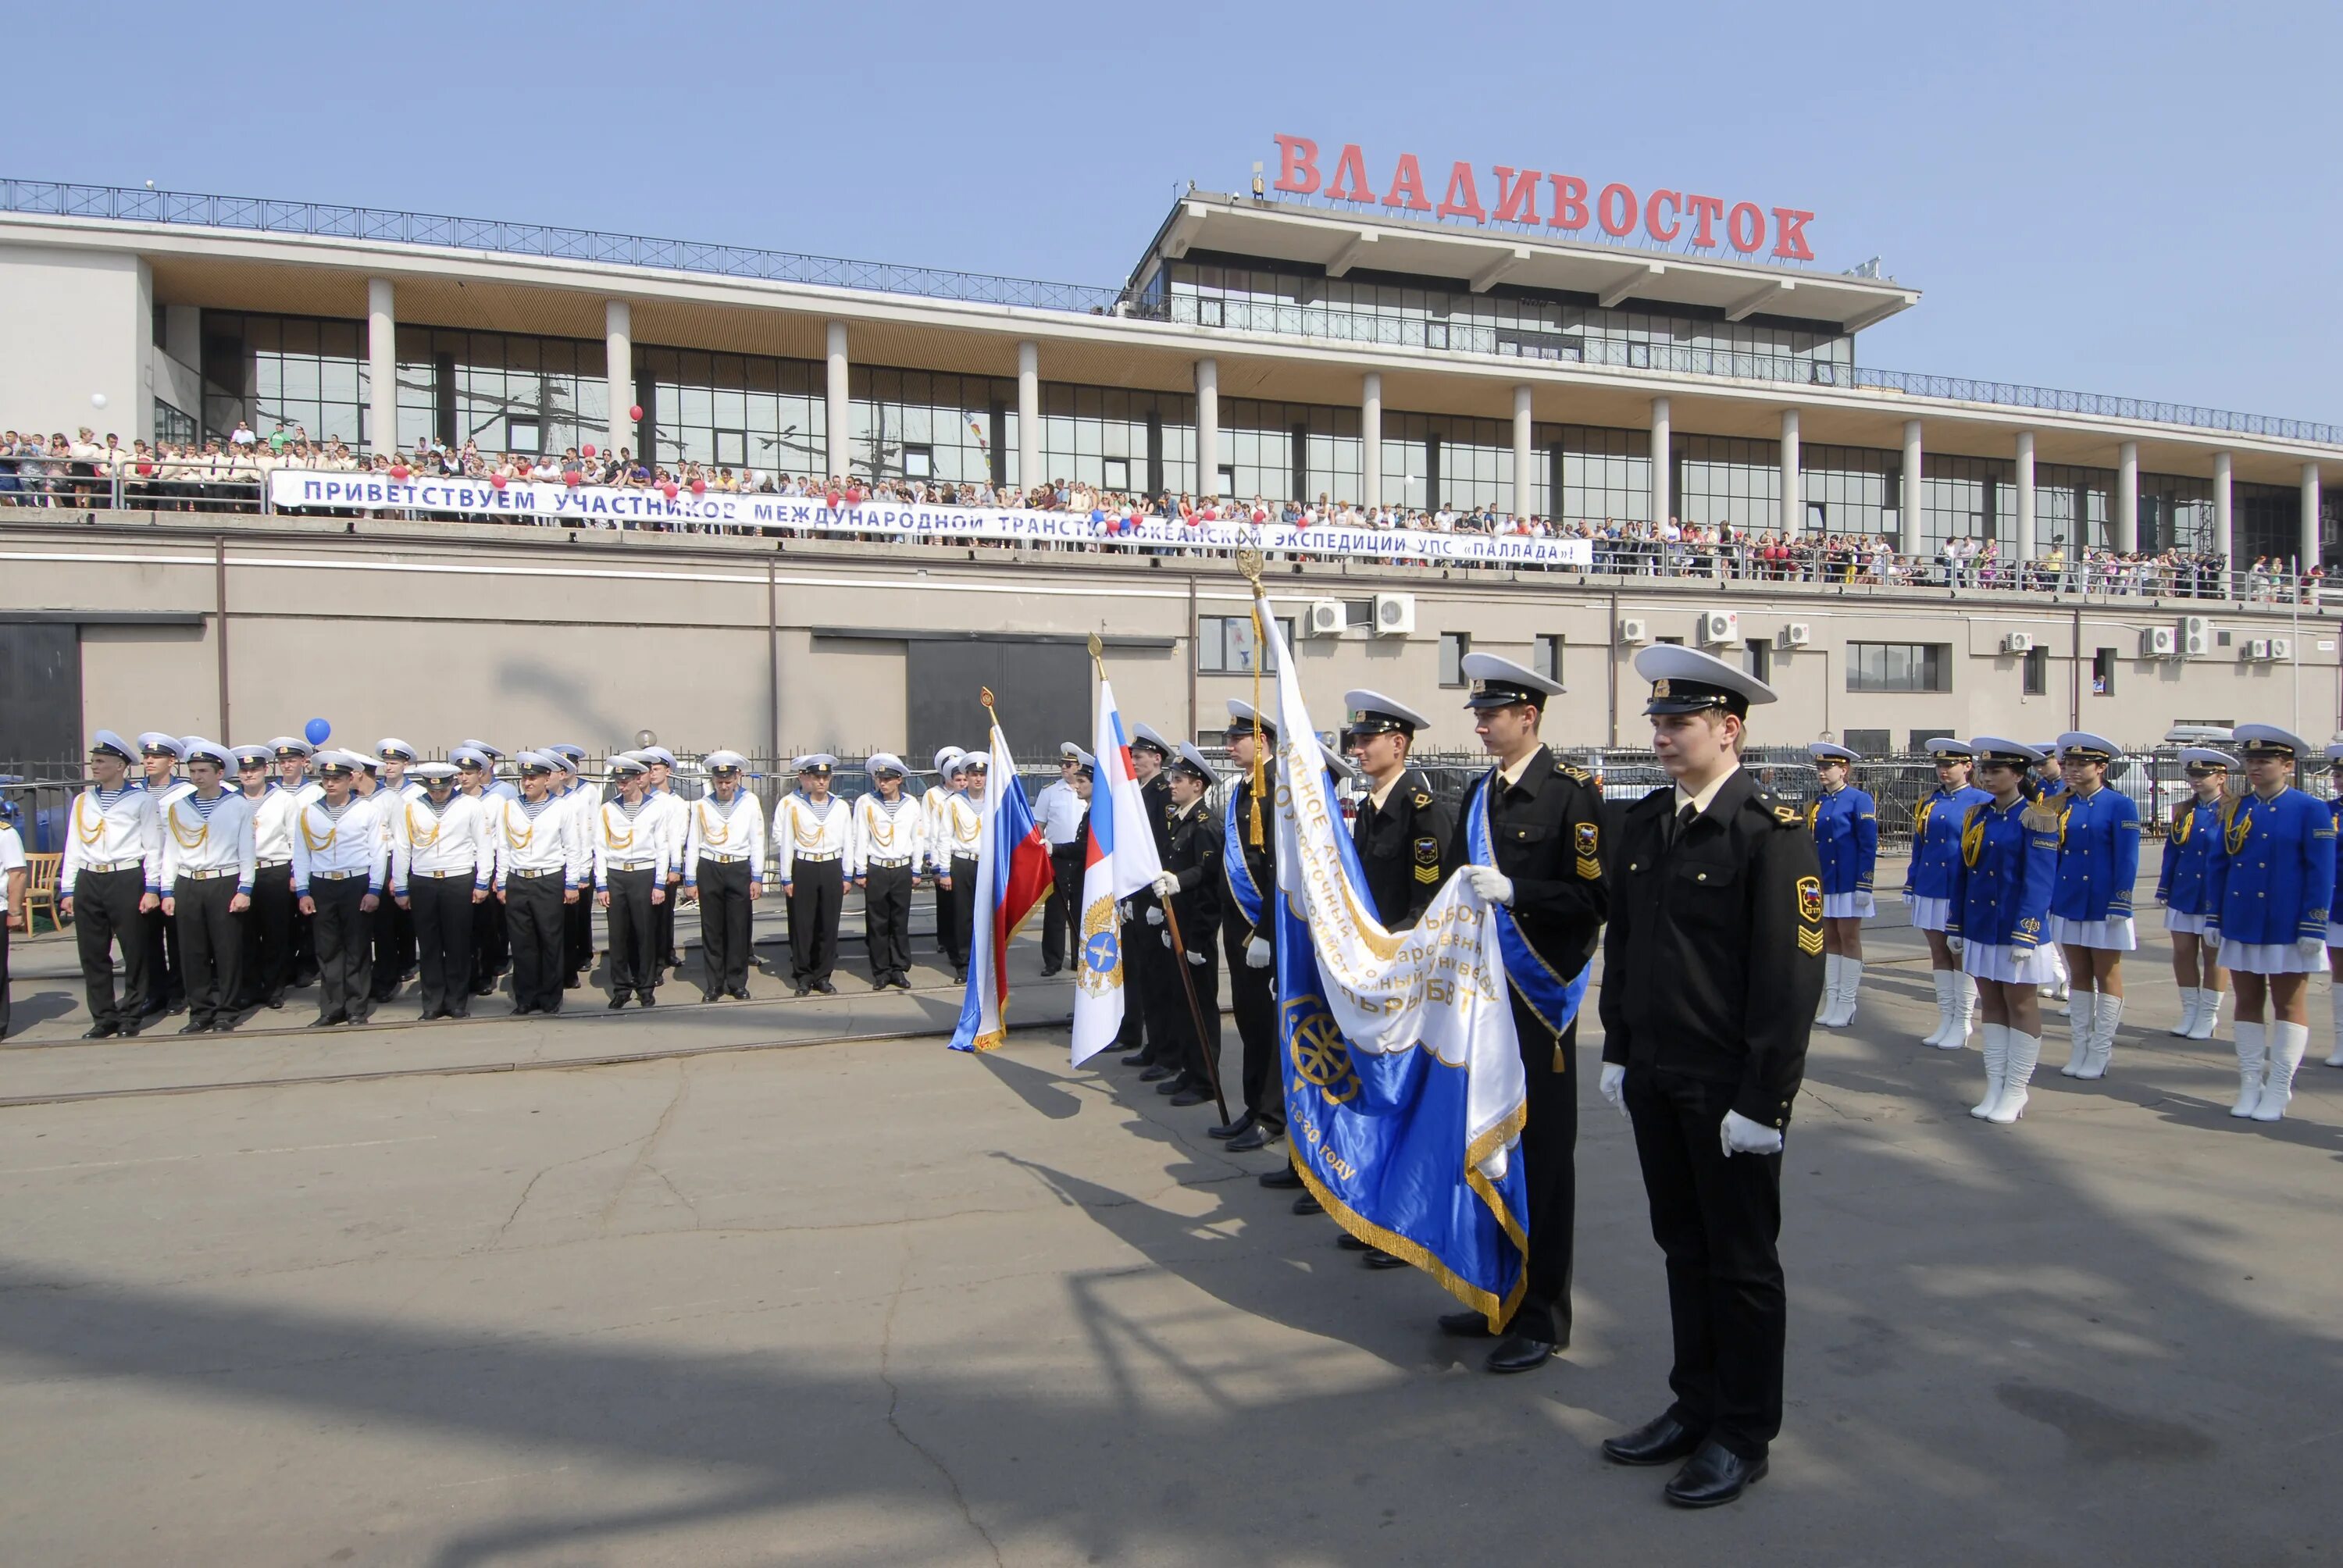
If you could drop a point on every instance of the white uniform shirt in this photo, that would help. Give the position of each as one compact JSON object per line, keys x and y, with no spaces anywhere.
{"x":325,"y":842}
{"x":630,"y":841}
{"x":803,"y":830}
{"x":534,"y":840}
{"x":897,"y":833}
{"x":272,"y":825}
{"x":1058,"y":811}
{"x":11,"y":859}
{"x":112,"y":829}
{"x":718,"y":832}
{"x":674,"y":823}
{"x":427,"y":842}
{"x":196,"y":841}
{"x":963,"y":829}
{"x":931,"y":808}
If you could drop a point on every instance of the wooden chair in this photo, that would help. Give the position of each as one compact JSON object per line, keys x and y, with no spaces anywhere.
{"x":41,"y":889}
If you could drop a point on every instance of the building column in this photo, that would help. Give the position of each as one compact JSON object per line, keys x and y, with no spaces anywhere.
{"x":1370,"y":440}
{"x":1663,"y":503}
{"x":1208,"y":427}
{"x":2128,"y":497}
{"x":839,"y":414}
{"x":1907,"y":542}
{"x":382,"y":366}
{"x":2310,"y":548}
{"x":2225,"y":540}
{"x":2025,"y":495}
{"x":1794,"y":504}
{"x":1525,"y":479}
{"x":1029,"y":416}
{"x":618,"y":361}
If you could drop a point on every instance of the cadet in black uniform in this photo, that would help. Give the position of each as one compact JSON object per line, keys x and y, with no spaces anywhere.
{"x":1711,"y":974}
{"x":1545,"y":833}
{"x":1191,"y":883}
{"x":1249,"y":942}
{"x":1403,"y":831}
{"x":1142,"y":948}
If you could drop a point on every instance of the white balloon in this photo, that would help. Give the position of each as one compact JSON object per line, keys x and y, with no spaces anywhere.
{"x":97,"y":400}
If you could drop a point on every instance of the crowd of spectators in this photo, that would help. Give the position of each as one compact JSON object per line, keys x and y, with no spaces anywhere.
{"x":87,"y":472}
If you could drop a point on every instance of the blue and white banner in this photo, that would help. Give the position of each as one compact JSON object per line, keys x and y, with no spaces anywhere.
{"x":595,"y":506}
{"x":1118,"y":859}
{"x":1404,"y":1093}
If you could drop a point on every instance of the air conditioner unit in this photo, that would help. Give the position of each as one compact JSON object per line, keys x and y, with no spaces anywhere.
{"x":1797,"y":634}
{"x":1395,"y":614}
{"x":2281,"y":650}
{"x":2017,"y":642}
{"x":2158,"y":642}
{"x":2195,"y":638}
{"x":1633,"y":630}
{"x":2258,"y":650}
{"x":1326,"y":617}
{"x":1719,"y":626}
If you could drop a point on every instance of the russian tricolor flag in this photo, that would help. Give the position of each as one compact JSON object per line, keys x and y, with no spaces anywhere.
{"x":1120,"y":860}
{"x":1013,"y":878}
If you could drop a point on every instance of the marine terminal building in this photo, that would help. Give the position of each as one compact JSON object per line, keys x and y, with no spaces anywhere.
{"x":1268,"y":345}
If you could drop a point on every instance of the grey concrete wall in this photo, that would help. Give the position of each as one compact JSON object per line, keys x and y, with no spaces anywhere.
{"x":76,"y":323}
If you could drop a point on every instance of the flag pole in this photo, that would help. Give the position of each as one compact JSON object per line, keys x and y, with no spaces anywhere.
{"x":1210,"y":1054}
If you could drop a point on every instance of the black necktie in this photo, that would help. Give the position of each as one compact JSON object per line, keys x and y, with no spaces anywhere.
{"x":1683,"y":819}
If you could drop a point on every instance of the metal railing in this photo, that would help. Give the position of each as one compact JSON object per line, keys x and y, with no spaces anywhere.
{"x":256,"y":214}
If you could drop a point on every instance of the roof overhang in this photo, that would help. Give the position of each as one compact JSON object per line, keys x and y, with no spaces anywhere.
{"x":1482,"y":259}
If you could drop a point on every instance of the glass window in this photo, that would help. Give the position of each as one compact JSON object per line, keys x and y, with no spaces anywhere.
{"x":1454,"y":647}
{"x":1548,"y":657}
{"x":1869,"y":742}
{"x":1225,"y":644}
{"x":2037,"y":672}
{"x":1757,"y":660}
{"x":2103,"y":672}
{"x":1971,"y":498}
{"x":1899,"y":666}
{"x":770,"y":416}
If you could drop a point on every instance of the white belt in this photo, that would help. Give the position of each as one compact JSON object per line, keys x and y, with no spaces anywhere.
{"x":211,"y":875}
{"x":548,"y":871}
{"x":337,"y":876}
{"x":890,"y":864}
{"x":630,"y":865}
{"x":467,"y":874}
{"x":274,"y":865}
{"x":721,"y":860}
{"x":104,"y":867}
{"x":818,"y":859}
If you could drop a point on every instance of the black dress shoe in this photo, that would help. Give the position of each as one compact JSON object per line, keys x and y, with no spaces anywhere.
{"x":617,"y":1001}
{"x":1285,"y":1178}
{"x":900,"y":982}
{"x":1712,"y":1476}
{"x":825,"y":987}
{"x":1350,"y":1243}
{"x":102,"y":1031}
{"x":192,"y":1027}
{"x":1519,"y":1352}
{"x":740,"y":993}
{"x":1465,"y":1325}
{"x":1155,"y":1072}
{"x":328,"y":1022}
{"x":223,"y":1026}
{"x":1138,"y":1058}
{"x":799,"y":991}
{"x":880,"y":984}
{"x":1663,"y":1440}
{"x":569,"y":983}
{"x":275,"y":1003}
{"x":675,"y":961}
{"x":1191,"y":1097}
{"x":1178,"y":1083}
{"x":1306,"y":1204}
{"x":1252,"y":1137}
{"x":485,"y":987}
{"x":1377,"y":1258}
{"x":644,"y":1000}
{"x":710,"y":995}
{"x":454,"y":1012}
{"x":1243,"y":1124}
{"x":520,"y":1011}
{"x":1049,"y":969}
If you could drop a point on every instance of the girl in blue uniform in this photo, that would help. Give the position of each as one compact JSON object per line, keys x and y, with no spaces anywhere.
{"x":2272,"y":882}
{"x":2091,"y":912}
{"x":2047,"y":788}
{"x":2183,"y":886}
{"x":1846,"y":840}
{"x":1928,"y":887}
{"x":2334,"y":930}
{"x":2001,"y":910}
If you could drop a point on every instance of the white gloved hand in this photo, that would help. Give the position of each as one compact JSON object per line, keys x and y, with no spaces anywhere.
{"x":1614,"y":1084}
{"x":1166,"y":940}
{"x":2211,"y":936}
{"x":1155,"y":915}
{"x":1122,"y":911}
{"x":1492,"y":884}
{"x":1166,"y":884}
{"x":1257,"y":953}
{"x":2311,"y":947}
{"x":1739,"y":1135}
{"x":1196,"y":958}
{"x":1957,"y":944}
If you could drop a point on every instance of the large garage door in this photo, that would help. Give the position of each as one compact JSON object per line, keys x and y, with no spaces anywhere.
{"x":40,"y":698}
{"x":1042,"y":691}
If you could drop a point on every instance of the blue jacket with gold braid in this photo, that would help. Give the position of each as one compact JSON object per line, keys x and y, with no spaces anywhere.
{"x":2274,"y":875}
{"x":2003,"y":878}
{"x":1936,"y":841}
{"x":1846,"y":838}
{"x":2184,"y":882}
{"x":2098,"y":855}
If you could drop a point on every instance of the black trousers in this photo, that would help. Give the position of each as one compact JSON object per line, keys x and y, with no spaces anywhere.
{"x":344,"y":949}
{"x":963,"y":899}
{"x":576,"y":938}
{"x":1717,"y":1221}
{"x":305,"y":946}
{"x":533,"y":921}
{"x":1133,"y":934}
{"x":1061,"y":914}
{"x":817,"y":898}
{"x":106,"y":912}
{"x":491,"y":945}
{"x":4,"y":974}
{"x":886,"y":921}
{"x":167,"y":980}
{"x":268,"y":936}
{"x":663,"y":949}
{"x":1252,"y":997}
{"x":1549,"y":1151}
{"x":211,"y":946}
{"x":724,"y":926}
{"x":634,"y":946}
{"x":1171,"y":1026}
{"x":947,"y":917}
{"x":442,"y":913}
{"x":394,"y":947}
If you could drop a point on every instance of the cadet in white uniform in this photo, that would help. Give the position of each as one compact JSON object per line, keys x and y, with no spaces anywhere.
{"x":393,"y":925}
{"x":111,"y":832}
{"x":578,"y":797}
{"x":812,"y":832}
{"x":267,"y":966}
{"x":206,"y":880}
{"x":443,"y":865}
{"x":963,"y":814}
{"x":631,"y":856}
{"x":724,"y":874}
{"x":339,"y":867}
{"x":541,"y":861}
{"x":160,"y":755}
{"x":673,"y":815}
{"x":886,"y":851}
{"x":932,"y":803}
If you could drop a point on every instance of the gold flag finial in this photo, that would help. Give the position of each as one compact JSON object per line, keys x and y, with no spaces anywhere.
{"x":984,"y":695}
{"x":1097,"y":647}
{"x":1249,"y":561}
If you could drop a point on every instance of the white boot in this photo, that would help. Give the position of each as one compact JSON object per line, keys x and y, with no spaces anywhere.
{"x":1964,"y":1004}
{"x":1943,"y":978}
{"x":2287,"y":1042}
{"x":2250,"y":1069}
{"x":1997,"y":1057}
{"x":2078,"y":1038}
{"x":1850,"y":975}
{"x":2106,"y":1013}
{"x":2025,"y":1051}
{"x":1830,"y":989}
{"x":2209,"y":1015}
{"x":2337,"y":1059}
{"x":2188,"y":1005}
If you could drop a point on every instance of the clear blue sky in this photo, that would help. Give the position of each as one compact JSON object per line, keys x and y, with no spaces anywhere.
{"x":2135,"y":198}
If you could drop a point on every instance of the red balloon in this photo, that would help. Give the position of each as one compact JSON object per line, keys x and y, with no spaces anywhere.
{"x":668,"y":489}
{"x":636,"y":413}
{"x":497,"y":481}
{"x":588,"y":449}
{"x":572,"y":478}
{"x":145,"y":469}
{"x":700,"y":487}
{"x":834,"y":499}
{"x":400,"y":472}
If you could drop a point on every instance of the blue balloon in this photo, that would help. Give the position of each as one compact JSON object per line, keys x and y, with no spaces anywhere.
{"x":316,"y":729}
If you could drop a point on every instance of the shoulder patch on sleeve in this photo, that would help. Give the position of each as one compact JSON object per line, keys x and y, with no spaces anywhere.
{"x":1568,"y":771}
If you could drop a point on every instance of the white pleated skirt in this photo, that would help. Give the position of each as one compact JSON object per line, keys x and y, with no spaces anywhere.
{"x":2114,"y":934}
{"x":2009,"y":964}
{"x":2173,"y":921}
{"x":2334,"y":935}
{"x":1848,"y":907}
{"x":1928,"y":914}
{"x":2271,"y":959}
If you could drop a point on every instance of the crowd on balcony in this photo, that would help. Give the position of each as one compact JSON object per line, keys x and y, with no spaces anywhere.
{"x":87,"y":472}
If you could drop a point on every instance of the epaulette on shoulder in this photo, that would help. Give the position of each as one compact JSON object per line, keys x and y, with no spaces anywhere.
{"x":1423,"y":799}
{"x":1568,"y":771}
{"x":1783,"y":814}
{"x":2041,"y":819}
